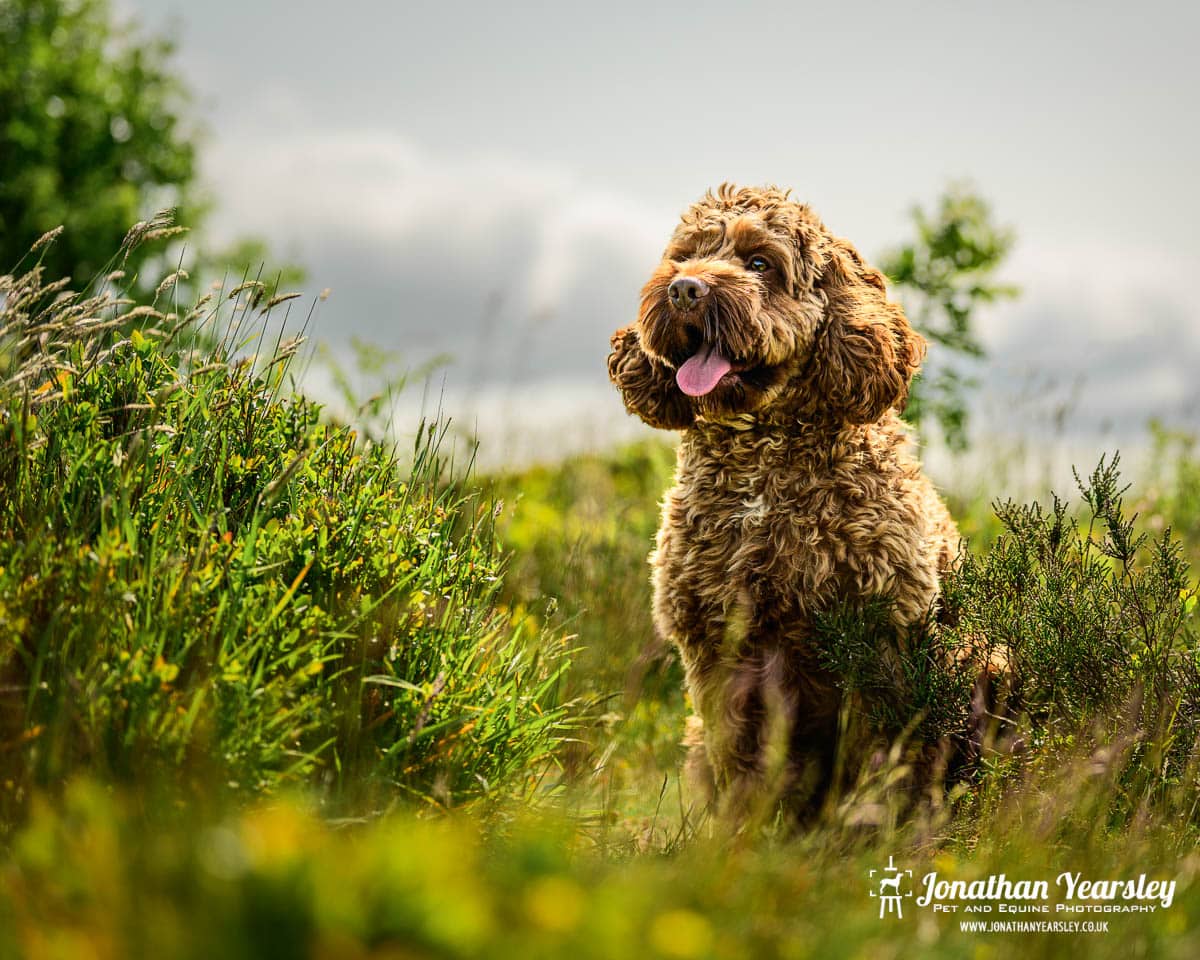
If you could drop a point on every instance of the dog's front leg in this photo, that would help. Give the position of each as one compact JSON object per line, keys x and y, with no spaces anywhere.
{"x":745,"y":753}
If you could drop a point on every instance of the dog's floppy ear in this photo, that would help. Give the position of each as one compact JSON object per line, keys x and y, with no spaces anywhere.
{"x":647,"y":384}
{"x":866,"y":352}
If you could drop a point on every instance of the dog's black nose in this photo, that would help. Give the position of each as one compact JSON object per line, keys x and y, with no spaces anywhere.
{"x":686,"y":292}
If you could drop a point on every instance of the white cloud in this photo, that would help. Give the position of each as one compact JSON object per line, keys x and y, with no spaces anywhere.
{"x":1096,"y":292}
{"x":1106,"y":330}
{"x":438,"y":255}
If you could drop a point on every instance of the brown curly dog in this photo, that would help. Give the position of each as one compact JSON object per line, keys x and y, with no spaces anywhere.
{"x":773,"y":346}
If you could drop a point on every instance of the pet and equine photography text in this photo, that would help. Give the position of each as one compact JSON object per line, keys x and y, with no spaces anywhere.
{"x":665,"y":481}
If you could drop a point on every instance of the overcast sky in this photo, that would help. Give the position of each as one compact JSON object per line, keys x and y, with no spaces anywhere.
{"x":494,"y":181}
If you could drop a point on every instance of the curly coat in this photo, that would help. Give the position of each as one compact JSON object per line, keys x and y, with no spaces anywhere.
{"x":795,"y":489}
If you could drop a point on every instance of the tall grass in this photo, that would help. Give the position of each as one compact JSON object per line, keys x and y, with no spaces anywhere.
{"x":202,"y":577}
{"x":579,"y":534}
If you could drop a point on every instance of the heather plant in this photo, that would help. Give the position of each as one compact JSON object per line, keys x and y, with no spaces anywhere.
{"x":924,"y":690}
{"x":1098,"y":621}
{"x":1094,"y":620}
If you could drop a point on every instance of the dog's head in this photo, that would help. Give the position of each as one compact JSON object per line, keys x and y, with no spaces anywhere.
{"x":756,"y":308}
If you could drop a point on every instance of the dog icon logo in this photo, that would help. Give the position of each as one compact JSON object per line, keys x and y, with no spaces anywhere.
{"x":891,"y":900}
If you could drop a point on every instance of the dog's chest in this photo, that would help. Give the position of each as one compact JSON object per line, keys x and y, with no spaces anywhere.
{"x":781,"y":528}
{"x":749,"y":536}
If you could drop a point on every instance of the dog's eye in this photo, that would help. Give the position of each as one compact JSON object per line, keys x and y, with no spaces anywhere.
{"x":758,"y":264}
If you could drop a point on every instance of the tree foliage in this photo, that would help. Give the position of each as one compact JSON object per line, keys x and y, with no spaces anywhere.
{"x":91,"y":134}
{"x":945,"y":275}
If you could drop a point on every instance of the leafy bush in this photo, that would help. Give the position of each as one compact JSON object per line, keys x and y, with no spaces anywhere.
{"x":199,"y":573}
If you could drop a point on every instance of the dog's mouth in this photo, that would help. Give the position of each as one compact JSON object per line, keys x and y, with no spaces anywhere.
{"x":705,"y":369}
{"x":715,"y":350}
{"x":707,"y":361}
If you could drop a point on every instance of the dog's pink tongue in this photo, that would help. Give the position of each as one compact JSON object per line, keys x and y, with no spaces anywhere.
{"x":699,"y":374}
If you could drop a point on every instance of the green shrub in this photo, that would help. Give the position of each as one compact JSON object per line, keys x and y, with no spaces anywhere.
{"x":1097,"y":624}
{"x":1090,"y":612}
{"x":200,"y":573}
{"x":924,"y":691}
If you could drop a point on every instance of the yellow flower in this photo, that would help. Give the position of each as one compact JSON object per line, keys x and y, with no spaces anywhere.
{"x":166,"y":672}
{"x":681,"y":933}
{"x":555,"y":904}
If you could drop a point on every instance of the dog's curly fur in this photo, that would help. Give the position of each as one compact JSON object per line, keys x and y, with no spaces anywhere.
{"x":795,"y":489}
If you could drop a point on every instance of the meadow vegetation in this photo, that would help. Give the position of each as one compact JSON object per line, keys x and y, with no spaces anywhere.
{"x":271,"y":686}
{"x":199,"y":573}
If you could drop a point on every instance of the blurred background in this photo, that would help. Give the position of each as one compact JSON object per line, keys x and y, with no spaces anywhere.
{"x":484,"y":187}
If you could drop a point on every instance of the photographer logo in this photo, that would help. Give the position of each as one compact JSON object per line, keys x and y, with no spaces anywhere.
{"x":888,"y":888}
